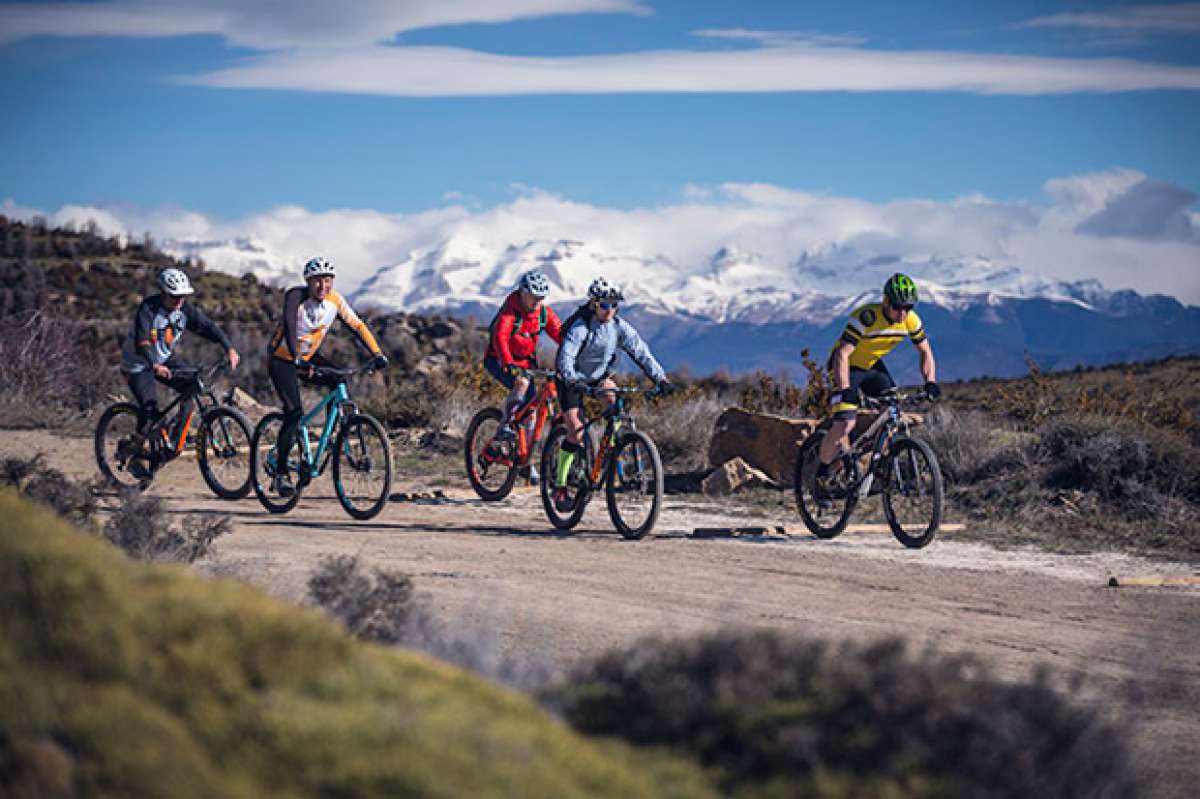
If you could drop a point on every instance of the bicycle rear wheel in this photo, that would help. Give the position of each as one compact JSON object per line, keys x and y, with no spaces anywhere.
{"x":491,"y":464}
{"x":223,"y":452}
{"x":362,"y":466}
{"x":578,"y":484}
{"x":633,"y":487}
{"x":913,"y":494}
{"x":263,"y":467}
{"x":123,"y":457}
{"x":825,"y":514}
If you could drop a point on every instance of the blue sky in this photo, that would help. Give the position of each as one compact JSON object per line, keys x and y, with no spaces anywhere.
{"x":1058,"y":138}
{"x":109,"y":119}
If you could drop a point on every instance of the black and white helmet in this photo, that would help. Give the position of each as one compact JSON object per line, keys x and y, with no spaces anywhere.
{"x":535,"y":283}
{"x":174,"y":282}
{"x":318,"y":266}
{"x":601,"y":289}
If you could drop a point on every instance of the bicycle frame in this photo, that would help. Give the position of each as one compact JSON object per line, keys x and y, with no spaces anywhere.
{"x":331,"y":404}
{"x":614,"y":415}
{"x":539,"y":405}
{"x":882,"y":431}
{"x":193,"y":401}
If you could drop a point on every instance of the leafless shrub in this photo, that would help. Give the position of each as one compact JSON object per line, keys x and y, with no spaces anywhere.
{"x":682,"y":428}
{"x":47,"y":369}
{"x":810,"y":717}
{"x":373,"y":607}
{"x":71,"y":499}
{"x":970,"y":445}
{"x":142,"y":528}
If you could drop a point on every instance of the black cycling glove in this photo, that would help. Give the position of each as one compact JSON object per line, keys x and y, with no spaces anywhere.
{"x":665,"y":388}
{"x":933,"y":390}
{"x":380,"y":361}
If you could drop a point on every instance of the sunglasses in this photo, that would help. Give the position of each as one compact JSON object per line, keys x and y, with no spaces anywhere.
{"x":606,"y":306}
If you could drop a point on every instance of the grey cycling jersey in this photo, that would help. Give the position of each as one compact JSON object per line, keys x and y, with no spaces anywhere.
{"x":155,"y":332}
{"x":589,"y":349}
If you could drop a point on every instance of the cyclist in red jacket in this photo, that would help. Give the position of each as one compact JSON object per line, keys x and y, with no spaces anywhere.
{"x":512,"y":348}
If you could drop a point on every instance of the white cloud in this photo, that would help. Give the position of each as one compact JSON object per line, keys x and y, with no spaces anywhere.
{"x":268,"y":26}
{"x":1174,"y":18}
{"x":315,"y":45}
{"x":781,"y":225}
{"x":450,"y":71}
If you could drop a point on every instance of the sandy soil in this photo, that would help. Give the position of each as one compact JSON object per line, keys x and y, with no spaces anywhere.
{"x":500,"y":570}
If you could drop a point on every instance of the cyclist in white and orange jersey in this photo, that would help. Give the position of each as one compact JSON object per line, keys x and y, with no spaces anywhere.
{"x":308,"y":313}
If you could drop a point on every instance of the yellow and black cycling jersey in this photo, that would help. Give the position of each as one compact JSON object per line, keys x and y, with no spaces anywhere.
{"x":873,"y":336}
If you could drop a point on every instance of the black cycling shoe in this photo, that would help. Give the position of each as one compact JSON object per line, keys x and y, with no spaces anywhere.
{"x":564,"y":501}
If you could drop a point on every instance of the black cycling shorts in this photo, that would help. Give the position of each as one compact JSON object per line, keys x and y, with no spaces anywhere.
{"x":871,"y":382}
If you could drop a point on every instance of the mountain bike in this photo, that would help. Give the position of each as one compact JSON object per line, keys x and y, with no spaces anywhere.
{"x":492,"y":462}
{"x":361,"y":455}
{"x":625,"y":462}
{"x":901,"y":468}
{"x":130,"y":460}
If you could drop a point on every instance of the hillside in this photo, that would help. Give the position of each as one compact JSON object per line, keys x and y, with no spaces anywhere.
{"x":122,"y":680}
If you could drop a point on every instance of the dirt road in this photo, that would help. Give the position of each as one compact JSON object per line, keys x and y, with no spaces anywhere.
{"x":498,"y":570}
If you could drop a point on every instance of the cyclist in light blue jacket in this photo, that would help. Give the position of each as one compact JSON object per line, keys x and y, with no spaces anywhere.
{"x":591,"y":339}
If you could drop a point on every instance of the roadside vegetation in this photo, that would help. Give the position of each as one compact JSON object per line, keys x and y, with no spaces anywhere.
{"x":129,"y":679}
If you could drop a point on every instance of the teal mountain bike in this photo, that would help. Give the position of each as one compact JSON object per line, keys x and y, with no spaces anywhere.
{"x":361,"y":455}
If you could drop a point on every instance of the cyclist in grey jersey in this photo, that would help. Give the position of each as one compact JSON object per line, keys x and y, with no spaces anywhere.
{"x":148,"y":352}
{"x":585,"y":359}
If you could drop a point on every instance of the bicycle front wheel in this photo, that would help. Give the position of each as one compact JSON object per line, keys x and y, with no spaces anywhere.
{"x":263,"y":467}
{"x":824,"y":508}
{"x":913,"y":493}
{"x":565,"y":508}
{"x":223,"y":452}
{"x":121,"y":454}
{"x":362,"y":466}
{"x":633,"y":487}
{"x":491,"y":464}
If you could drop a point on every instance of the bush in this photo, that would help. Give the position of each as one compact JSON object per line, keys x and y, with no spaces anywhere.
{"x":682,"y":427}
{"x":68,"y":498}
{"x":1118,"y":460}
{"x":373,"y":608}
{"x":970,"y":446}
{"x":780,"y":715}
{"x":140,"y":527}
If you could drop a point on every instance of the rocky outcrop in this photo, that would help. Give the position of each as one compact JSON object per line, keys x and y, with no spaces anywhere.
{"x":764,"y":441}
{"x":731,"y":476}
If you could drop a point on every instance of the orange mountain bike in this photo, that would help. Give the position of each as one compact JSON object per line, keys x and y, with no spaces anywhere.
{"x":492,"y":460}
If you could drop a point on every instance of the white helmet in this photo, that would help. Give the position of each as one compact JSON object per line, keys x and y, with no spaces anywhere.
{"x":535,"y":283}
{"x":601,"y":289}
{"x":318,"y":266}
{"x":174,"y":282}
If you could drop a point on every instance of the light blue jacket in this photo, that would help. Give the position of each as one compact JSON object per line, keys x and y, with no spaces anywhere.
{"x":589,"y":350}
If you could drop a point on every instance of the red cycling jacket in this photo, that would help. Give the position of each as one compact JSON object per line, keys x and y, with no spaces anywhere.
{"x":515,"y":333}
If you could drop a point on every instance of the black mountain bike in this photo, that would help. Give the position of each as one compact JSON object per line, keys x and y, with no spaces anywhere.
{"x":901,"y":468}
{"x":129,"y":460}
{"x":625,"y":463}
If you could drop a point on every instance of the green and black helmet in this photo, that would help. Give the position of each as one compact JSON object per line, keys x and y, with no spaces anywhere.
{"x":900,"y":290}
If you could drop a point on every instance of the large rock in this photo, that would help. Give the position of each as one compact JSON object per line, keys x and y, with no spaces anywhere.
{"x":769,"y":442}
{"x":731,"y":476}
{"x":764,"y":441}
{"x":253,"y":409}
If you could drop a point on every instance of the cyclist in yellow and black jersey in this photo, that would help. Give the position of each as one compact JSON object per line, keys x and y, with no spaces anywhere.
{"x":855,"y":364}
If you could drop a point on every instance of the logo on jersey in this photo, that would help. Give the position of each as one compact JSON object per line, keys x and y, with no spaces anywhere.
{"x":867,"y":317}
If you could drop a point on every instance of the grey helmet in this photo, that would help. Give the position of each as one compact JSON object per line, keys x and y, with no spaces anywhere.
{"x":174,"y":282}
{"x":601,"y":289}
{"x":535,"y":283}
{"x":318,"y":266}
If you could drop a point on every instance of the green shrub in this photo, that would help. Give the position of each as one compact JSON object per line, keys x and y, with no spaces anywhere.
{"x":786,"y":716}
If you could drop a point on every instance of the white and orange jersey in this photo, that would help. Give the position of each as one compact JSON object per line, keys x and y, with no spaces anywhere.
{"x":307,"y":320}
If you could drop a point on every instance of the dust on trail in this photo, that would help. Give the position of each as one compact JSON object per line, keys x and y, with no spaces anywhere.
{"x":501,"y":573}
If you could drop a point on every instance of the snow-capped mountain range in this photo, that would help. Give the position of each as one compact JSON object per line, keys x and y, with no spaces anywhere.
{"x":732,"y":285}
{"x":984,"y":315}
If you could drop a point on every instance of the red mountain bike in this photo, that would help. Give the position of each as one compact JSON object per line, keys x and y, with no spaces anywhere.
{"x":493,"y":461}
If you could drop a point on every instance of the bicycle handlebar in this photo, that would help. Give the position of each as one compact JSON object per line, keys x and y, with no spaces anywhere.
{"x":340,"y":373}
{"x":209,"y":371}
{"x":894,"y":397}
{"x":595,"y":391}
